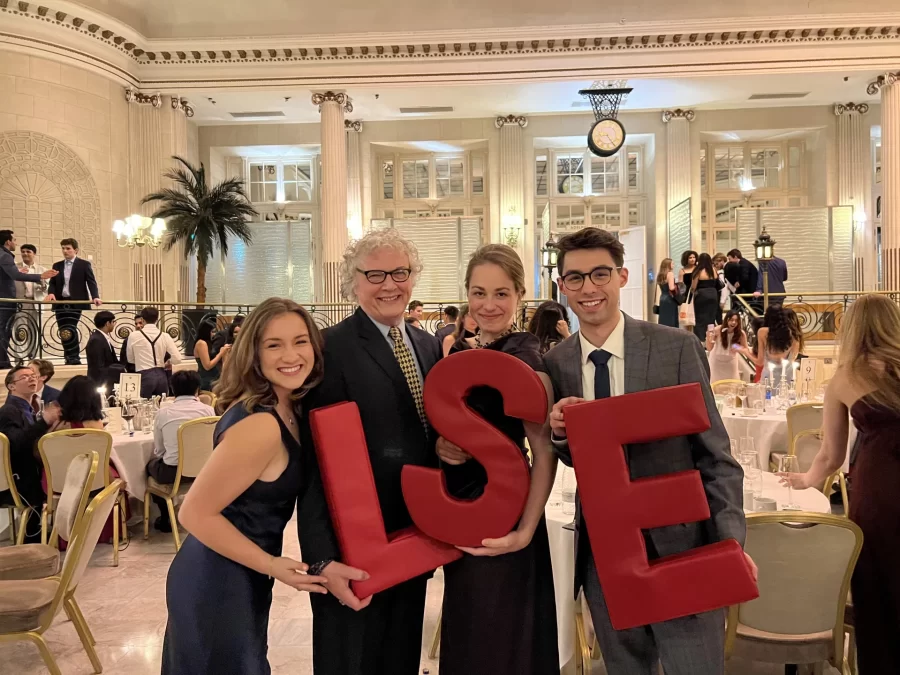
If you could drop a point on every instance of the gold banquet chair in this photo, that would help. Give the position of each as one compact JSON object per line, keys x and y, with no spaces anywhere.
{"x":801,"y":418}
{"x":28,"y":608}
{"x":57,"y":450}
{"x":725,"y":386}
{"x":195,"y":445}
{"x":208,"y":398}
{"x":805,"y":563}
{"x":15,"y":506}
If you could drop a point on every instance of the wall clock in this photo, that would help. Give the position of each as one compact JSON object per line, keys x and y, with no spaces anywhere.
{"x":606,"y":137}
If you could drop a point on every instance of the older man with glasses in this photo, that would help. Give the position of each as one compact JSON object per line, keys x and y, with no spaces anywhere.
{"x":23,"y":423}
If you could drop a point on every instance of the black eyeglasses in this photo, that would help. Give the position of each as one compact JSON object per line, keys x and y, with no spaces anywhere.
{"x":399,"y":275}
{"x":599,"y":276}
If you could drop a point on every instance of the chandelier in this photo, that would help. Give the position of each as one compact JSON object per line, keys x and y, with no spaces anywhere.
{"x":137,"y":230}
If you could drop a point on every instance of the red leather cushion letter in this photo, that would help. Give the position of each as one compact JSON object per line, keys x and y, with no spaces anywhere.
{"x":616,"y":509}
{"x":496,"y":512}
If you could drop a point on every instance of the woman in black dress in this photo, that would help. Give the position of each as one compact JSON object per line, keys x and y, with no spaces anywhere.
{"x":668,"y":294}
{"x":499,"y":613}
{"x":219,"y":587}
{"x":706,"y":288}
{"x":549,"y":324}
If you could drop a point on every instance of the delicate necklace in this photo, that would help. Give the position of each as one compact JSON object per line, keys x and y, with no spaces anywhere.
{"x":508,"y":331}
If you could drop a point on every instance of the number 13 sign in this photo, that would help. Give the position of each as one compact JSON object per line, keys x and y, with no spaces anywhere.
{"x":129,"y":386}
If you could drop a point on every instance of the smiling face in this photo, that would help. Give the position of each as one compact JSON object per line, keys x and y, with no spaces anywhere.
{"x":28,"y":256}
{"x":492,"y":298}
{"x":594,"y":305}
{"x":733,"y":323}
{"x":286,"y":354}
{"x":386,"y":302}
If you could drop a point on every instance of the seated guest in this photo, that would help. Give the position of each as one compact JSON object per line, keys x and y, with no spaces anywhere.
{"x":451,"y":313}
{"x":79,"y":405}
{"x":163,"y":466}
{"x":103,"y":366}
{"x":23,"y":426}
{"x":44,"y":371}
{"x":149,"y":349}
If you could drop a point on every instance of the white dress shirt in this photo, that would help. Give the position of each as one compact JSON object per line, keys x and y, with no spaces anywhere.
{"x":30,"y":289}
{"x":168,"y":419}
{"x":139,"y":351}
{"x":615,"y":345}
{"x":67,"y":274}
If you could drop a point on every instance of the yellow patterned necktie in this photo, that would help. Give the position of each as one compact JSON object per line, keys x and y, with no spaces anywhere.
{"x":407,"y":362}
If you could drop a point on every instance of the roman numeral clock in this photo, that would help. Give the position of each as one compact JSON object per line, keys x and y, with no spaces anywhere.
{"x":607,"y":134}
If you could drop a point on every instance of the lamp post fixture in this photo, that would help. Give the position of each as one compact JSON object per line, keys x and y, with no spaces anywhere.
{"x":549,"y":254}
{"x":765,"y":251}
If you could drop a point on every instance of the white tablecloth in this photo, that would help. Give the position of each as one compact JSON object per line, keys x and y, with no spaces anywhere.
{"x":130,"y":455}
{"x":562,"y":555}
{"x":808,"y":500}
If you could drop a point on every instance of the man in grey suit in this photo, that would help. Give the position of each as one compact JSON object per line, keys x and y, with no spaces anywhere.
{"x":611,"y":355}
{"x":9,"y":275}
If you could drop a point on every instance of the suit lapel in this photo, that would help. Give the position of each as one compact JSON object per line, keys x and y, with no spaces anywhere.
{"x":377,"y":347}
{"x":637,"y":356}
{"x":424,"y":355}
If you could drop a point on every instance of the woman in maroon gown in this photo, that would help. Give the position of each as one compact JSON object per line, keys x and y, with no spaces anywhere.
{"x":867,"y":384}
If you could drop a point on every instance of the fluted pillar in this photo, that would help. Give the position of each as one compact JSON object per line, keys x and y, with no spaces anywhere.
{"x":334,"y":191}
{"x":512,"y":181}
{"x":678,"y":176}
{"x":354,"y":180}
{"x":889,"y":85}
{"x":852,"y":181}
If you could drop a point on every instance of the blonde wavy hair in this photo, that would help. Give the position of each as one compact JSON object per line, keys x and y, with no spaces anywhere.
{"x":242,"y":378}
{"x":870,"y":347}
{"x":368,"y":244}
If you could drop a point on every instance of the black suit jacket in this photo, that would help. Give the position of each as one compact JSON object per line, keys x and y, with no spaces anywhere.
{"x":748,"y":277}
{"x":360,"y":366}
{"x":50,"y":394}
{"x":100,"y":357}
{"x":81,"y":281}
{"x":23,"y":436}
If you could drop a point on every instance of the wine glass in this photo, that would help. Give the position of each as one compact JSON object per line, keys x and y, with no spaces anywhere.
{"x":128,"y":413}
{"x":789,"y":464}
{"x":734,"y":449}
{"x":742,"y":395}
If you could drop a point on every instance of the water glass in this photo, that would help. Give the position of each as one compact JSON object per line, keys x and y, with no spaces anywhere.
{"x":569,"y":488}
{"x":734,"y":449}
{"x":789,"y":464}
{"x":749,"y":460}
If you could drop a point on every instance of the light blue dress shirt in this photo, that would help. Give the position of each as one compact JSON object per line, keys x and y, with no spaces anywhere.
{"x":406,"y":339}
{"x":67,"y":273}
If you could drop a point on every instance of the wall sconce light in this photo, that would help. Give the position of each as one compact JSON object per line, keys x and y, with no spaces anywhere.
{"x":511,"y":224}
{"x":747,"y":190}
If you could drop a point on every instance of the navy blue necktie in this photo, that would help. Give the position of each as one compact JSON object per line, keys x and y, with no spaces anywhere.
{"x":600,"y":359}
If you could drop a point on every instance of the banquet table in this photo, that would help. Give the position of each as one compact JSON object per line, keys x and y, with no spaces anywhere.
{"x":811,"y":500}
{"x":130,"y":455}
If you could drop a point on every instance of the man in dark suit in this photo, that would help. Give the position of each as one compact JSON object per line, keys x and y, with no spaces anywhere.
{"x":451,"y":314}
{"x":44,"y":371}
{"x":375,"y":360}
{"x":611,"y":355}
{"x":747,"y":276}
{"x":103,"y":366}
{"x":9,"y":275}
{"x":23,"y":426}
{"x":778,"y":274}
{"x":75,"y":285}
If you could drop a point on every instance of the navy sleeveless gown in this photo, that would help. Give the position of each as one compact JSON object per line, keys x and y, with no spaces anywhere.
{"x":219,"y":609}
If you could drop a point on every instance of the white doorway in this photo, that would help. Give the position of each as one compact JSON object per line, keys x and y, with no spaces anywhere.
{"x":633,"y":298}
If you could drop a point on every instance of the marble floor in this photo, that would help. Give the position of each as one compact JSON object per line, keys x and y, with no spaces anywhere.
{"x":126,"y":610}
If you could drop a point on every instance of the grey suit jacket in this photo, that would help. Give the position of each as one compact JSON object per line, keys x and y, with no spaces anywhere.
{"x":657,"y":356}
{"x":10,"y":274}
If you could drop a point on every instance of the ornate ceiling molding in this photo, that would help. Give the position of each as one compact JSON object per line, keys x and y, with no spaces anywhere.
{"x":355,"y":125}
{"x":330,"y":97}
{"x":132,"y":96}
{"x":182,"y":105}
{"x":678,"y":114}
{"x":883,"y":81}
{"x":501,"y":121}
{"x":841,"y":108}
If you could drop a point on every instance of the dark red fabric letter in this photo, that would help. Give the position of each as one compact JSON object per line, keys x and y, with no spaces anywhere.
{"x":616,"y":509}
{"x":496,"y":512}
{"x":356,"y":513}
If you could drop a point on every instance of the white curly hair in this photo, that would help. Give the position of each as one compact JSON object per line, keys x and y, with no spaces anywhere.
{"x":368,"y":244}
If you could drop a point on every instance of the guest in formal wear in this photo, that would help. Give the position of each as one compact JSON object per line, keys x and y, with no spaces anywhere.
{"x":23,"y":425}
{"x":748,"y":275}
{"x":465,"y":326}
{"x":719,"y":260}
{"x":686,"y":277}
{"x":450,"y":315}
{"x":375,"y":360}
{"x":9,"y":275}
{"x":208,"y":367}
{"x":227,"y":335}
{"x":779,"y":342}
{"x":778,"y":275}
{"x":416,"y":310}
{"x":549,"y":324}
{"x":28,"y":320}
{"x":149,"y":349}
{"x":30,"y":290}
{"x":414,"y":322}
{"x":123,"y":353}
{"x":706,"y":289}
{"x":74,"y":285}
{"x":80,"y":405}
{"x":219,"y":586}
{"x":724,"y":343}
{"x":866,"y":388}
{"x":669,"y":298}
{"x":611,"y":355}
{"x":44,"y":371}
{"x":510,"y":576}
{"x":103,"y":365}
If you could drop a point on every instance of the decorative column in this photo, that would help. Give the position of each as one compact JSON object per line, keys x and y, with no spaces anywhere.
{"x":678,"y":179}
{"x":354,"y":182}
{"x":852,"y":181}
{"x":512,"y":181}
{"x":889,"y":85}
{"x":332,"y":106}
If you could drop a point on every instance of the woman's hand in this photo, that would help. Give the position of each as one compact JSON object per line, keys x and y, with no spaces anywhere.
{"x":293,"y":573}
{"x":451,"y":454}
{"x":563,"y":328}
{"x":514,"y":541}
{"x":798,"y":481}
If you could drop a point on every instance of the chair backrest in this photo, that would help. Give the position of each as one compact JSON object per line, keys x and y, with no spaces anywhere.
{"x":205,"y":399}
{"x":806,"y":446}
{"x":805,"y":563}
{"x":726,"y":386}
{"x":59,"y":448}
{"x":7,"y":482}
{"x":208,"y":397}
{"x":195,"y":445}
{"x":803,"y":417}
{"x":75,"y":494}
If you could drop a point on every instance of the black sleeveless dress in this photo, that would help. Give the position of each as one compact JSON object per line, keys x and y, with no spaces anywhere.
{"x":219,"y":609}
{"x":499,"y":613}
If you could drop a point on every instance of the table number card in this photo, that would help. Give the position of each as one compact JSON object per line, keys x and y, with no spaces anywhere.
{"x":129,"y":386}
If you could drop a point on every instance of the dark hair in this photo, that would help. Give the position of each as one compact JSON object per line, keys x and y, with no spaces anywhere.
{"x":414,"y":304}
{"x":738,"y":332}
{"x":734,"y":253}
{"x":103,"y":318}
{"x":28,"y":247}
{"x":686,"y":256}
{"x":237,"y":322}
{"x":411,"y":321}
{"x":586,"y":239}
{"x":543,"y":324}
{"x":11,"y":374}
{"x":451,"y":311}
{"x":69,"y":242}
{"x":45,"y":368}
{"x":704,"y":264}
{"x":5,"y":236}
{"x":150,"y":314}
{"x":79,"y":400}
{"x":205,"y":331}
{"x":784,"y":328}
{"x":185,"y":383}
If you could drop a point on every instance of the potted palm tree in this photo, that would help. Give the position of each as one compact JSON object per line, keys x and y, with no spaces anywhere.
{"x":200,"y":217}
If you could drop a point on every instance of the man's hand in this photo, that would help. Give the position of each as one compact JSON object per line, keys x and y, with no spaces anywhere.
{"x":51,"y":413}
{"x":451,"y":454}
{"x":756,"y":294}
{"x":98,"y":302}
{"x":337,"y":580}
{"x":49,"y":274}
{"x":557,"y":415}
{"x":49,"y":297}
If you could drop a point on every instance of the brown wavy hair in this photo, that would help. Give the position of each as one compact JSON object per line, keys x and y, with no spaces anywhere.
{"x":870,"y":347}
{"x":503,"y":257}
{"x":242,"y":378}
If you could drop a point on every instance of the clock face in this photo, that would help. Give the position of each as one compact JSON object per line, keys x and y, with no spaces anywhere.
{"x":606,"y":137}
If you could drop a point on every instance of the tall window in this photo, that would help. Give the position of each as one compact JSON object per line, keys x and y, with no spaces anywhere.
{"x":263,"y":182}
{"x":449,"y":179}
{"x":282,"y":181}
{"x":415,"y":179}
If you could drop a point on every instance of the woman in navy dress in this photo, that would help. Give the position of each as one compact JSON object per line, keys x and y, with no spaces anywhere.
{"x":219,"y":587}
{"x":499,"y":612}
